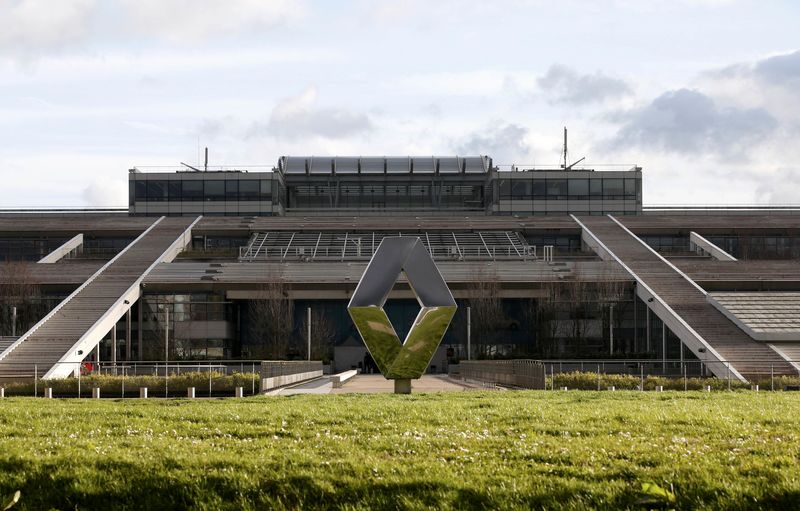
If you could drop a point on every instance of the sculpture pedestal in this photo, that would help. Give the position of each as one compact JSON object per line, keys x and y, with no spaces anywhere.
{"x":402,"y":386}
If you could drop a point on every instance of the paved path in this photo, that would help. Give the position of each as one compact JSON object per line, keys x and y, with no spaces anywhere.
{"x":375,"y":383}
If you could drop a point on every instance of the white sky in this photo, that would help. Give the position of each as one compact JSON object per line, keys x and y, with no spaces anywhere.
{"x":704,"y":95}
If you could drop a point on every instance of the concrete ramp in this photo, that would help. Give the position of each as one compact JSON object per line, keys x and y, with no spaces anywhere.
{"x":682,"y":305}
{"x":55,"y":346}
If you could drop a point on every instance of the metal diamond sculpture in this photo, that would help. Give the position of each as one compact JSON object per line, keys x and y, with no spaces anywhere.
{"x":402,"y":361}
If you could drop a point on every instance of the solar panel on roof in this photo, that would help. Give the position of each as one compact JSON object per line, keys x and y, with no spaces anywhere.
{"x":320,"y":165}
{"x":398,"y":165}
{"x":449,"y":165}
{"x":475,"y":165}
{"x":372,"y":165}
{"x":424,"y":165}
{"x":346,"y":165}
{"x":294,"y":165}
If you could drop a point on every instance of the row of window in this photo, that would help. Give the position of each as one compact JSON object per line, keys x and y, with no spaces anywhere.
{"x":203,"y":190}
{"x":606,"y":188}
{"x":385,"y":196}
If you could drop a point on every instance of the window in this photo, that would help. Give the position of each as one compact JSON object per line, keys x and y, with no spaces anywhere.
{"x":156,"y":190}
{"x":249,"y":189}
{"x":505,"y":188}
{"x":539,"y":188}
{"x":266,"y":189}
{"x":521,"y":189}
{"x":141,"y":190}
{"x":630,"y":188}
{"x":613,"y":188}
{"x":578,"y":188}
{"x":192,"y":190}
{"x":556,"y":188}
{"x":214,"y":190}
{"x":174,"y":190}
{"x":232,"y":190}
{"x":596,"y":187}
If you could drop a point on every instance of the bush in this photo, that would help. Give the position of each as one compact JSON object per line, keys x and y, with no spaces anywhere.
{"x":111,"y":386}
{"x":589,"y":381}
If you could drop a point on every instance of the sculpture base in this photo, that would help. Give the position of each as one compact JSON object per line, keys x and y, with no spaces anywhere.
{"x":402,"y":386}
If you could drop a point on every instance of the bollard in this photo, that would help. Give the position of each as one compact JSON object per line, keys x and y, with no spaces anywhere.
{"x":563,"y":388}
{"x":707,"y":388}
{"x":96,"y":393}
{"x":239,"y":392}
{"x":48,"y":392}
{"x":659,"y":388}
{"x":612,"y":388}
{"x":190,"y":392}
{"x":754,"y":388}
{"x":143,"y":392}
{"x":2,"y":392}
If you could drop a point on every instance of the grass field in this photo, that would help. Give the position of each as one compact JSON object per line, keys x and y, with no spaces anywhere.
{"x":570,"y":450}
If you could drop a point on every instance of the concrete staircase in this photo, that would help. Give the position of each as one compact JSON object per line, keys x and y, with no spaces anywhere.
{"x":61,"y":340}
{"x":683,"y":306}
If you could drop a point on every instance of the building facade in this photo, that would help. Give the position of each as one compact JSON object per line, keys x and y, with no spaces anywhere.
{"x":551,"y":263}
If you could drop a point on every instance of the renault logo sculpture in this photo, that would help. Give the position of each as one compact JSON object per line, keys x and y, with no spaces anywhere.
{"x":402,"y":361}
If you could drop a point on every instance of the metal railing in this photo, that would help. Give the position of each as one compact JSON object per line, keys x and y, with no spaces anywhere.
{"x":527,"y":374}
{"x":207,"y":378}
{"x":637,"y":374}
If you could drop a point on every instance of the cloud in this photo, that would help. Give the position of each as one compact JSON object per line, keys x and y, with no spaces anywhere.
{"x":689,"y":121}
{"x":505,"y":143}
{"x":193,"y":20}
{"x":31,"y":27}
{"x":780,"y":187}
{"x":103,"y":193}
{"x":565,"y":85}
{"x":777,"y":70}
{"x":298,"y":117}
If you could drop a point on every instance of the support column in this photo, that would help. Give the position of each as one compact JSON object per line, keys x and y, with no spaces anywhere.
{"x":308,"y":319}
{"x":611,"y":328}
{"x":469,"y":334}
{"x":663,"y":346}
{"x":140,"y":321}
{"x":402,"y":386}
{"x":648,"y":330}
{"x":114,"y":344}
{"x":128,"y":340}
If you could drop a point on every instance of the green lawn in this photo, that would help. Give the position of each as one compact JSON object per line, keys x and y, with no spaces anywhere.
{"x":571,"y":450}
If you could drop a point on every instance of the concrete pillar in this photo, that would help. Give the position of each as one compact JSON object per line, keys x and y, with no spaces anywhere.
{"x":469,"y":334}
{"x":140,"y":321}
{"x":143,"y":392}
{"x":48,"y":392}
{"x":190,"y":392}
{"x":402,"y":386}
{"x":128,"y":340}
{"x":114,"y":345}
{"x":96,"y":393}
{"x":2,"y":392}
{"x":239,"y":392}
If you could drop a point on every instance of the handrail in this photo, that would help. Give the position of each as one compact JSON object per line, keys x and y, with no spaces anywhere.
{"x":61,"y":304}
{"x":641,"y":282}
{"x":132,"y":287}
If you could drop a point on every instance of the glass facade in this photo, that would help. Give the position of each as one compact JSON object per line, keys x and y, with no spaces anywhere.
{"x":158,"y":190}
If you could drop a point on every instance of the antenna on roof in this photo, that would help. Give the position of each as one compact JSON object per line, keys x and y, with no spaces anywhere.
{"x":189,"y":166}
{"x":564,"y":165}
{"x":205,"y":165}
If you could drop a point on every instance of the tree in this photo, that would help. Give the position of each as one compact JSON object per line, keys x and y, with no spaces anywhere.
{"x":322,"y":333}
{"x":272,"y":319}
{"x":486,"y":310}
{"x":18,"y":288}
{"x":540,"y":316}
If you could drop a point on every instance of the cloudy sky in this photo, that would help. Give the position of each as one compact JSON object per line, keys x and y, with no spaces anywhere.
{"x":703,"y":94}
